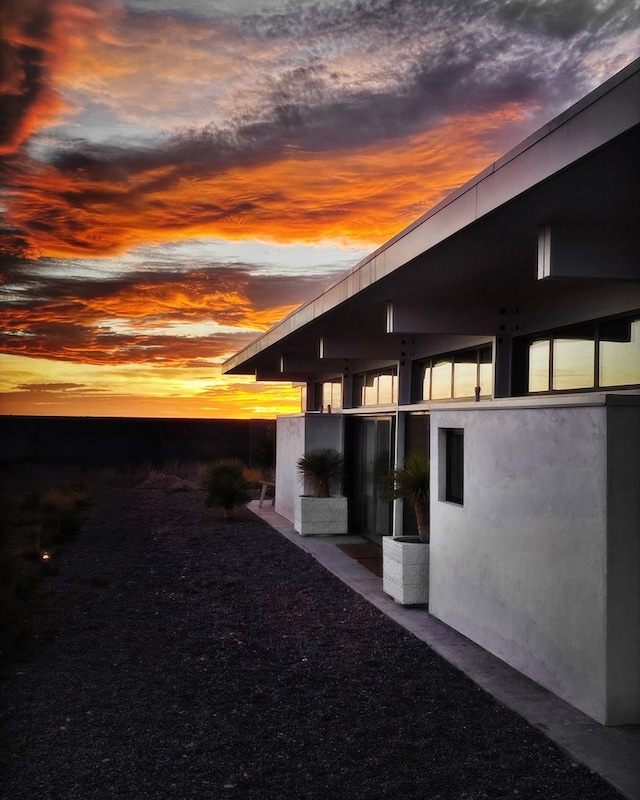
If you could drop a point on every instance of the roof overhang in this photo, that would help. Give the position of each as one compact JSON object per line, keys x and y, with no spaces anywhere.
{"x":542,"y":215}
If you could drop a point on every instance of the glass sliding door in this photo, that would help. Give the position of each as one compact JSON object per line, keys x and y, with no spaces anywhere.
{"x":370,"y":447}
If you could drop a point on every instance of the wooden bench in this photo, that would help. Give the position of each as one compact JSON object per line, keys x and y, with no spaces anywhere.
{"x":266,"y":486}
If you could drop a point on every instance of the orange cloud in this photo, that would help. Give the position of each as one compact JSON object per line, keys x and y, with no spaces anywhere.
{"x":151,"y":304}
{"x":36,"y":39}
{"x":270,"y":175}
{"x":93,"y":207}
{"x":137,"y":320}
{"x":124,"y":61}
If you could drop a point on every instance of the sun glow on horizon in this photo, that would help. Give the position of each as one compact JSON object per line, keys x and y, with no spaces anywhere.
{"x":38,"y":387}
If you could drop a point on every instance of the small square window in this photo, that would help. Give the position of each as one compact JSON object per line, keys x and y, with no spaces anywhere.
{"x":454,"y":465}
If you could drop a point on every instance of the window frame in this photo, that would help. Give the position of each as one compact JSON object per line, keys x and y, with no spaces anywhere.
{"x":451,"y":463}
{"x":427,"y":365}
{"x":522,"y":357}
{"x":333,"y":388}
{"x":361,"y":383}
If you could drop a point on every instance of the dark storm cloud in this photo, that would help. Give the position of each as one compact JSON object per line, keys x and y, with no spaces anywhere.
{"x":13,"y":247}
{"x":25,"y":39}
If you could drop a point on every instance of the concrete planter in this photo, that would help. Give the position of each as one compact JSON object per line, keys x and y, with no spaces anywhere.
{"x":317,"y":516}
{"x":405,"y":569}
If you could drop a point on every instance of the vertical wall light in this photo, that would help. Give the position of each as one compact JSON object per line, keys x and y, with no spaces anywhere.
{"x":390,"y":326}
{"x":544,"y":252}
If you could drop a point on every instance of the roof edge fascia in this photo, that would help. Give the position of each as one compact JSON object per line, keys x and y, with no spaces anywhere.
{"x":354,"y":280}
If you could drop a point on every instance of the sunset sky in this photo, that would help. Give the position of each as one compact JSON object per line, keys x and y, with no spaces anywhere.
{"x":177,"y":175}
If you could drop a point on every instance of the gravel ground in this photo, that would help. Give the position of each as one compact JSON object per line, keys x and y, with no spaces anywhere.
{"x":176,"y":655}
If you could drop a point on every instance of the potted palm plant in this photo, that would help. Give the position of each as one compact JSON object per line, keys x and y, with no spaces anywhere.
{"x":321,"y":512}
{"x":405,"y":559}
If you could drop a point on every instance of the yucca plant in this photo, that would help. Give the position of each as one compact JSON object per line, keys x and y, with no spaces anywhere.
{"x":411,"y":482}
{"x":226,"y":486}
{"x":321,"y":468}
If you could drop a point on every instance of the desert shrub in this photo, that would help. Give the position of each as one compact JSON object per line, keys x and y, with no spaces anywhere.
{"x":19,"y":583}
{"x":265,"y":450}
{"x":33,"y":524}
{"x":20,"y":576}
{"x":225,"y":485}
{"x":64,"y":498}
{"x":193,"y":471}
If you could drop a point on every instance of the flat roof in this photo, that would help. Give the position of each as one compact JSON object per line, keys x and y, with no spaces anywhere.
{"x":599,"y":118}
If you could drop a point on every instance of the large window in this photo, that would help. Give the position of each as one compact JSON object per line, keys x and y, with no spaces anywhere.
{"x":462,"y":375}
{"x":573,"y":359}
{"x":377,"y":388}
{"x":619,"y":349}
{"x":539,"y":355}
{"x":595,"y":356}
{"x":331,"y":395}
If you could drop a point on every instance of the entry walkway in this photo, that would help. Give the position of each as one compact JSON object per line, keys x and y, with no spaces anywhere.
{"x":614,"y":753}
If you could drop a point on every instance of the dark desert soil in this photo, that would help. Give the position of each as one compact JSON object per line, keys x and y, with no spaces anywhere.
{"x":176,"y":655}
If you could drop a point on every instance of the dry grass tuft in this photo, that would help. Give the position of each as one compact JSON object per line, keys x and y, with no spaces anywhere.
{"x":43,"y":506}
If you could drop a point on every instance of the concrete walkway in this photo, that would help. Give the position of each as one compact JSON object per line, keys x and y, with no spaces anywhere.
{"x":614,"y":753}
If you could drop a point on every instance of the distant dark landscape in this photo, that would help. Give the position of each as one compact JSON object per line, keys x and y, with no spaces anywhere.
{"x":116,"y":440}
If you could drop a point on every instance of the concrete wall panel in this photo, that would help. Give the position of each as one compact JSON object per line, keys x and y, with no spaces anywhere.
{"x":296,"y":435}
{"x":289,"y":448}
{"x":520,"y":567}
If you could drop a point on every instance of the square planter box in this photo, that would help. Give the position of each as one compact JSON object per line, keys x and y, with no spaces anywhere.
{"x":318,"y":516}
{"x":405,"y":569}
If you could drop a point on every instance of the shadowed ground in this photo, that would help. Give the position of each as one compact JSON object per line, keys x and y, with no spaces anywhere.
{"x":177,"y":655}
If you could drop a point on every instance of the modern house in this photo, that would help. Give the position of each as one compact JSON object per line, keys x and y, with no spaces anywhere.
{"x":500,"y":333}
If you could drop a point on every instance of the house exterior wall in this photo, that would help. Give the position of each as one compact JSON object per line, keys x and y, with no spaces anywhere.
{"x":296,"y":435}
{"x":521,"y":567}
{"x":540,"y":564}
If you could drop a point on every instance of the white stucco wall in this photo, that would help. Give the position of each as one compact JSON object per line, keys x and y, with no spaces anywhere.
{"x":521,"y":567}
{"x":296,"y":435}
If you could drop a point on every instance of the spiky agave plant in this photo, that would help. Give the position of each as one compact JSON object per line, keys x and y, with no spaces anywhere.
{"x":321,"y":468}
{"x":411,"y":482}
{"x":226,"y":486}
